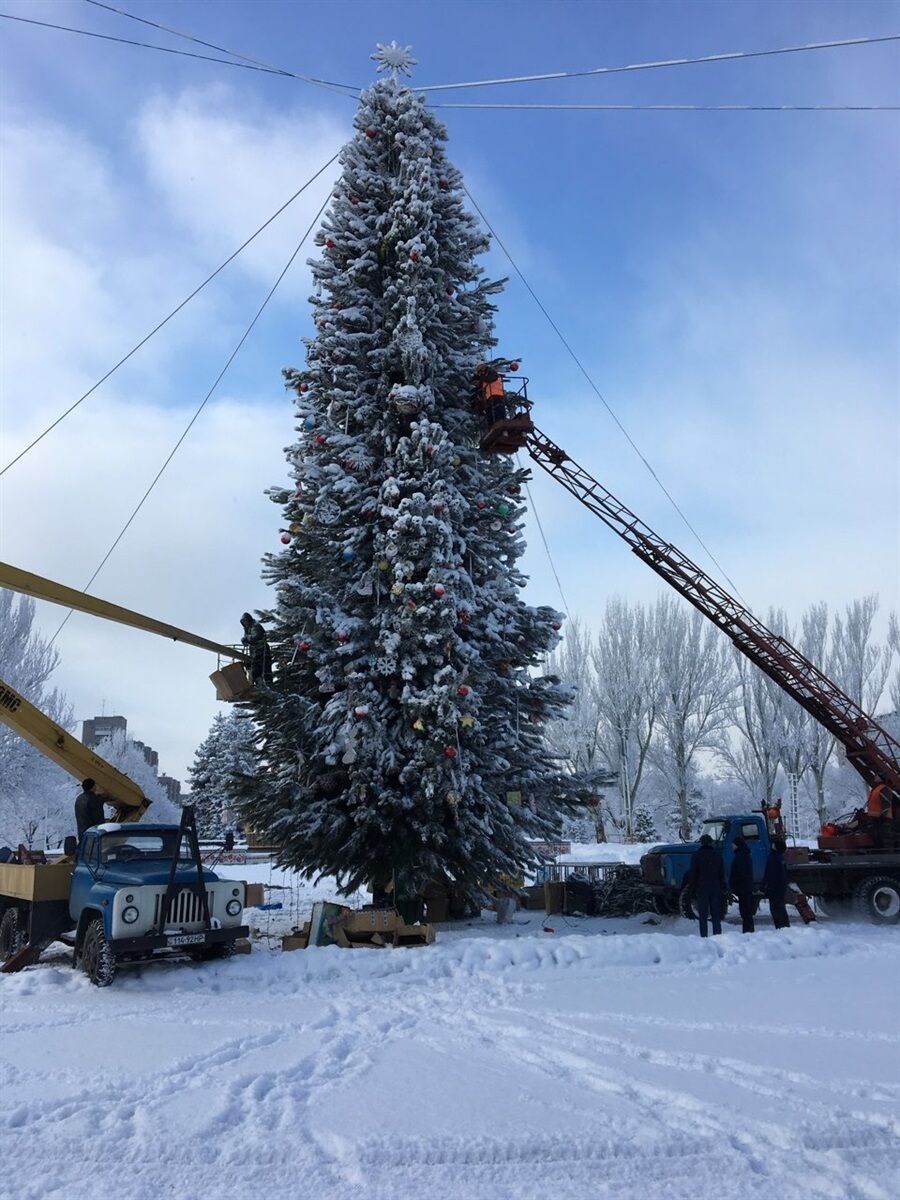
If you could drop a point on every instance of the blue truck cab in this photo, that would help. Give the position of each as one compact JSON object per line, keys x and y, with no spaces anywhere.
{"x":664,"y":867}
{"x":118,"y":904}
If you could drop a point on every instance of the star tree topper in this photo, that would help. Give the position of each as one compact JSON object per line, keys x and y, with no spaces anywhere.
{"x":394,"y":58}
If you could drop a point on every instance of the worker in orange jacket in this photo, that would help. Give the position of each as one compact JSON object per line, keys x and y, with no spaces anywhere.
{"x":491,"y":398}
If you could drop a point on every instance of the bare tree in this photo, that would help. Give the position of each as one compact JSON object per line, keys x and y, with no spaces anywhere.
{"x":626,"y":692}
{"x":752,"y":754}
{"x":861,"y":668}
{"x":34,"y":793}
{"x":696,"y":678}
{"x":894,"y":647}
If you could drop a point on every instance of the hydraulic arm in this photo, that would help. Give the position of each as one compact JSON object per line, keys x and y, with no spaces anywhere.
{"x":17,"y":580}
{"x":869,"y":747}
{"x":70,"y":754}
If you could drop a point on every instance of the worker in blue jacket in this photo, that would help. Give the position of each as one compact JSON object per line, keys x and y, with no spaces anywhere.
{"x":705,"y":882}
{"x":740,"y":881}
{"x":775,"y":884}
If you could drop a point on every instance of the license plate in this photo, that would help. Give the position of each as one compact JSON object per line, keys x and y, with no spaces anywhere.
{"x":186,"y":939}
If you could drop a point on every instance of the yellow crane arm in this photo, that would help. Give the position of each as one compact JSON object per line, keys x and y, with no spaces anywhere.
{"x":17,"y":580}
{"x":67,"y":752}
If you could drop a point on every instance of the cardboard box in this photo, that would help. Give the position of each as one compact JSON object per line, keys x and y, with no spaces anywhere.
{"x":325,"y":918}
{"x":533,"y":897}
{"x":231,"y":682}
{"x":242,"y":946}
{"x":414,"y":935}
{"x":255,"y":894}
{"x":554,"y":897}
{"x":370,"y":920}
{"x":298,"y":940}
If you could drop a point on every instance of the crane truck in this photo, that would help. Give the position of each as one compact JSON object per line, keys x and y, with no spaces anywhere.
{"x":125,"y":891}
{"x":858,"y":857}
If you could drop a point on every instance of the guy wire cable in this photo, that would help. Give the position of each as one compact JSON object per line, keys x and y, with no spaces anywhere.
{"x":166,"y":320}
{"x":199,"y":410}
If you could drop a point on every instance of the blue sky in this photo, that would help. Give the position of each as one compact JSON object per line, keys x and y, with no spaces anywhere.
{"x":729,"y":279}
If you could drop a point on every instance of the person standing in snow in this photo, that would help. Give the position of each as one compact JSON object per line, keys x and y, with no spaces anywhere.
{"x":89,"y":809}
{"x":705,"y":883}
{"x":258,"y":648}
{"x":740,"y":881}
{"x":775,"y":884}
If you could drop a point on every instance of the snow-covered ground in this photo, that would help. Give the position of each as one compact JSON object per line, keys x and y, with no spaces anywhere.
{"x":608,"y":1058}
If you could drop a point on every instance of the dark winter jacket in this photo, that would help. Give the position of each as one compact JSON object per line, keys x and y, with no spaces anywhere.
{"x":88,"y":811}
{"x":740,"y":879}
{"x":706,"y":874}
{"x":255,"y":637}
{"x":775,"y":880}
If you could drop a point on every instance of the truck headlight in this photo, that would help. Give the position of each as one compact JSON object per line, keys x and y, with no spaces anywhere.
{"x":233,"y":907}
{"x":130,"y":915}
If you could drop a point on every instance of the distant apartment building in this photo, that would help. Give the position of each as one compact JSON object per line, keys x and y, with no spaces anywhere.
{"x":100,"y":729}
{"x":97,"y":730}
{"x":173,"y":788}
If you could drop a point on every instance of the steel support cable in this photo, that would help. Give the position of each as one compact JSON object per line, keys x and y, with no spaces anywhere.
{"x":173,"y":313}
{"x":108,"y":37}
{"x":668,"y":62}
{"x":203,"y":403}
{"x":682,"y":107}
{"x":593,"y":386}
{"x":341,"y":88}
{"x":533,"y":506}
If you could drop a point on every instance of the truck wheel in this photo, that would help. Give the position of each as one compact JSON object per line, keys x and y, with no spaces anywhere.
{"x":97,"y":959}
{"x":879,"y":900}
{"x":12,"y":935}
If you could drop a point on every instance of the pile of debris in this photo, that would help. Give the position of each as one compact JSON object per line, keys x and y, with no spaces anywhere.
{"x":620,"y":892}
{"x":369,"y":928}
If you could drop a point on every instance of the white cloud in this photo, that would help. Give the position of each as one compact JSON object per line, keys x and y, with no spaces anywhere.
{"x":94,"y":255}
{"x":222,"y":166}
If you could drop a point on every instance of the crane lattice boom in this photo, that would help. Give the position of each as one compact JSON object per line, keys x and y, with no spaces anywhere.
{"x":869,"y":747}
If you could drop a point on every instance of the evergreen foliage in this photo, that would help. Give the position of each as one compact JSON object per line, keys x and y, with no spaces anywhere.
{"x":403,"y":735}
{"x":224,"y":761}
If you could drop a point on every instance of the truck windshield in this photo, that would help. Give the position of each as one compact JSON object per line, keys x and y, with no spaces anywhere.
{"x":715,"y":829}
{"x":134,"y":847}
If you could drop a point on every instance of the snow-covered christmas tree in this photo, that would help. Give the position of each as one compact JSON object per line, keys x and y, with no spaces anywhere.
{"x":224,"y":765}
{"x":403,"y":737}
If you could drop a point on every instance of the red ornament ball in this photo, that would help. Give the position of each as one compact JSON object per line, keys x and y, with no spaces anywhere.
{"x":329,"y":243}
{"x":556,"y":625}
{"x":414,"y":255}
{"x":304,"y":387}
{"x":303,"y":646}
{"x":462,"y":616}
{"x":370,"y":132}
{"x":285,"y":539}
{"x":480,"y":504}
{"x":514,"y":366}
{"x":449,"y":752}
{"x":319,"y":440}
{"x":462,"y":690}
{"x":341,"y":637}
{"x":354,"y":200}
{"x":439,"y":589}
{"x":443,"y":184}
{"x":438,"y":508}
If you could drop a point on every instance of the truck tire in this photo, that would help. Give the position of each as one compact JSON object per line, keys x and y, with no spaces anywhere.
{"x":12,"y":936}
{"x":97,"y":959}
{"x":666,"y":904}
{"x":878,"y":899}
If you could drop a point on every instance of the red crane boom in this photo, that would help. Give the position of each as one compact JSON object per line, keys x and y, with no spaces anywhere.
{"x":869,"y":747}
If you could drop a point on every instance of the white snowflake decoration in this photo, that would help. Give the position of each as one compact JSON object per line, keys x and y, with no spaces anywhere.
{"x":394,"y":58}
